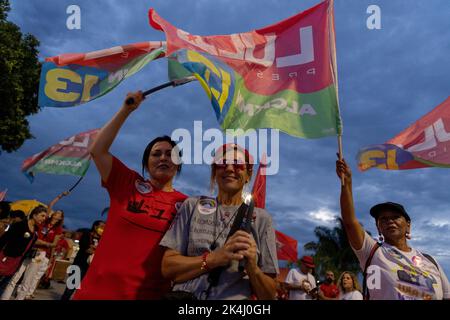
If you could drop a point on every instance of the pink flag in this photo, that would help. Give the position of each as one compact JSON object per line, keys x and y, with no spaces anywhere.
{"x":426,"y":143}
{"x":3,"y":194}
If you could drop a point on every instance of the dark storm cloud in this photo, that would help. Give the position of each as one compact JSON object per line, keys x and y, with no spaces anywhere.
{"x":388,"y":79}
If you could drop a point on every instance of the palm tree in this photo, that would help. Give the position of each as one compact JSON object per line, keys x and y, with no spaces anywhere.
{"x":332,"y":251}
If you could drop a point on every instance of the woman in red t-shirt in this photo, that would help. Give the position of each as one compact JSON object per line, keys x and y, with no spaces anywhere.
{"x":127,"y":261}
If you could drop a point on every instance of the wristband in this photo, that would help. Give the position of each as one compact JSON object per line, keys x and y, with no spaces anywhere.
{"x":204,"y":263}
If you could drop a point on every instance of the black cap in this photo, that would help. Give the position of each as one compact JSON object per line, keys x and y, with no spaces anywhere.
{"x":389,"y":206}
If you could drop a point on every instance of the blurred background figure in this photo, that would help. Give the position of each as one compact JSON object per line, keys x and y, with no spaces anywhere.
{"x":48,"y":233}
{"x":328,"y":289}
{"x":300,"y":282}
{"x":62,"y":251}
{"x":87,"y":246}
{"x":15,"y":246}
{"x":13,"y":217}
{"x":349,"y":287}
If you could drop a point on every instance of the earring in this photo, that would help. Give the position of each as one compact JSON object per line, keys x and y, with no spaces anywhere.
{"x":380,"y":238}
{"x":408,"y":235}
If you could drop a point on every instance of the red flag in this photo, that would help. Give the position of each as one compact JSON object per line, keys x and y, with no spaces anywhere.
{"x":259,"y":186}
{"x":286,"y":247}
{"x":3,"y":194}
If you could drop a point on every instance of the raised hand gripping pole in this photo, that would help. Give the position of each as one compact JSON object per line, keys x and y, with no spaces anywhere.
{"x":173,"y":83}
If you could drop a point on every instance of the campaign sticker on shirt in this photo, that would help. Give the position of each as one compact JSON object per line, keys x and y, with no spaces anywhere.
{"x":417,"y":261}
{"x":207,"y":206}
{"x":142,"y":186}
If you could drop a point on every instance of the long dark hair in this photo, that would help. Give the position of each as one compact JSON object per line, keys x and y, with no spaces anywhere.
{"x":96,"y":224}
{"x":149,"y":148}
{"x":37,"y":210}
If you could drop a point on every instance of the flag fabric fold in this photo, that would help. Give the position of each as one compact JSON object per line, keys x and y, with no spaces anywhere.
{"x":424,"y":144}
{"x":3,"y":194}
{"x":281,"y":76}
{"x":259,"y":185}
{"x":71,"y":79}
{"x":286,"y":247}
{"x":70,"y":156}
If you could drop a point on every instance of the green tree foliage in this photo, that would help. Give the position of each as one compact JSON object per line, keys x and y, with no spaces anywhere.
{"x":332,"y":251}
{"x":19,"y":81}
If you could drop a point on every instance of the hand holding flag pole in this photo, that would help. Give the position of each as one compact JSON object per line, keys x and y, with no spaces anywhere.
{"x":340,"y":158}
{"x":173,"y":83}
{"x":247,"y":224}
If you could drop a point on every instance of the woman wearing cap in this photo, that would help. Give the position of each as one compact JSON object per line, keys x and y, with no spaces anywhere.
{"x":201,"y":253}
{"x":127,"y":262}
{"x":393,"y":269}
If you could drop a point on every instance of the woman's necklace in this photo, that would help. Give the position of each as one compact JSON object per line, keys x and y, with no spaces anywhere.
{"x":213,"y":245}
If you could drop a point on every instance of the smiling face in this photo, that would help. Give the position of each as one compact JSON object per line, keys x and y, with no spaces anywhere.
{"x":57,"y":216}
{"x":231,"y":173}
{"x":393,"y":226}
{"x":40,"y":217}
{"x":159,"y":163}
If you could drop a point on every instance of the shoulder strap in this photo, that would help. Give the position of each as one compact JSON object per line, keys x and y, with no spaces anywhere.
{"x":375,"y":247}
{"x":214,"y":275}
{"x":431,"y":259}
{"x":238,"y":220}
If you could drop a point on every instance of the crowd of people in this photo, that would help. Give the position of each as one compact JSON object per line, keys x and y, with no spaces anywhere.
{"x":301,"y":284}
{"x":158,"y":243}
{"x":30,"y":244}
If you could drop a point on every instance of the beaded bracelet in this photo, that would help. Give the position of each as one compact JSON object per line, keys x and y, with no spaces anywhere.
{"x":204,"y":263}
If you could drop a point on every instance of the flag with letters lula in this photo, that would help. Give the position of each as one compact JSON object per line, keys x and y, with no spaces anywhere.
{"x":71,"y":79}
{"x":281,"y":76}
{"x":70,"y":156}
{"x":426,"y":143}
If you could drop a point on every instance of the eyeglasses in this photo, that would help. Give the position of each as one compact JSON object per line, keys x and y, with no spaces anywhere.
{"x":237,"y":165}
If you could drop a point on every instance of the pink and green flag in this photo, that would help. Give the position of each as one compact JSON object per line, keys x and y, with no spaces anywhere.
{"x":426,"y":143}
{"x":71,"y":79}
{"x":281,"y":76}
{"x":70,"y":156}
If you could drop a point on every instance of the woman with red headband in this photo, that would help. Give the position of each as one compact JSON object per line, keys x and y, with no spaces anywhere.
{"x":201,"y":253}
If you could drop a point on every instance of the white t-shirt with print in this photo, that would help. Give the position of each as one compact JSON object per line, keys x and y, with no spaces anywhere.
{"x":352,"y":295}
{"x":400,"y":275}
{"x":296,"y":277}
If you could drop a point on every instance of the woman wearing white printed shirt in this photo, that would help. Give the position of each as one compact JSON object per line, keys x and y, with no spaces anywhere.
{"x":349,"y":288}
{"x":396,"y":271}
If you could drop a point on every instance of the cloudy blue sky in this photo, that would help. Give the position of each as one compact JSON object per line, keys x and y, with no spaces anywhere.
{"x":388,"y":79}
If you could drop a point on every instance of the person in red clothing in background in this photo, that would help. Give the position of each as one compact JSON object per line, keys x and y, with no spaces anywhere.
{"x":329,"y":289}
{"x":127,"y":262}
{"x":49,"y":233}
{"x":63,"y":250}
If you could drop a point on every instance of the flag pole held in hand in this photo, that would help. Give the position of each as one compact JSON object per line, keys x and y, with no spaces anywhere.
{"x":173,"y":83}
{"x":247,"y":224}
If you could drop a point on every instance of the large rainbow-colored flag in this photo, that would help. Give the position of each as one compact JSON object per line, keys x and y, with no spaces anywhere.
{"x":281,"y":76}
{"x":426,"y":143}
{"x":75,"y":78}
